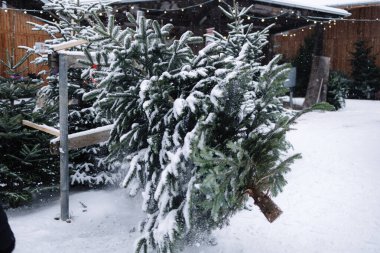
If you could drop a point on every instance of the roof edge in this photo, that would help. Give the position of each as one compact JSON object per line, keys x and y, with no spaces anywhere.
{"x":312,"y":7}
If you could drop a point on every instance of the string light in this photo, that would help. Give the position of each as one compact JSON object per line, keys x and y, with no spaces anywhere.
{"x":313,"y":19}
{"x":200,"y":5}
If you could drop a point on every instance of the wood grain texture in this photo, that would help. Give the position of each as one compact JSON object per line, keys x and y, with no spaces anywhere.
{"x":338,"y":40}
{"x":15,"y":32}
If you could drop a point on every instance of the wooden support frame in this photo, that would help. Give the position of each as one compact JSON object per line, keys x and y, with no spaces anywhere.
{"x":83,"y":139}
{"x":44,"y":128}
{"x":76,"y":140}
{"x":68,"y":44}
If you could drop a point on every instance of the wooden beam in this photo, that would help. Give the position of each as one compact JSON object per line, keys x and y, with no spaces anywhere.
{"x":84,"y":138}
{"x":68,"y":44}
{"x":43,"y":128}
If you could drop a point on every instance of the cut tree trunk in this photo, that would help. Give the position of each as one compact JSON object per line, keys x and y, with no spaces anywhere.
{"x":270,"y":210}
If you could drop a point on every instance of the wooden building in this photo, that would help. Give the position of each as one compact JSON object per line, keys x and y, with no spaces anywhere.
{"x":15,"y":32}
{"x":338,"y":37}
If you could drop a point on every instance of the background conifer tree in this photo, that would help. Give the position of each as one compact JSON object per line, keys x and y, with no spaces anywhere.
{"x":365,"y":73}
{"x":303,"y":62}
{"x":26,"y":167}
{"x":87,"y":165}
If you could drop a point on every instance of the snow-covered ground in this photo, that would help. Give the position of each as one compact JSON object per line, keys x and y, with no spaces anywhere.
{"x":331,"y":203}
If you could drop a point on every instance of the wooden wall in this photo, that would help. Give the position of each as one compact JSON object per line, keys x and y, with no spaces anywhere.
{"x":338,"y":40}
{"x":14,"y":32}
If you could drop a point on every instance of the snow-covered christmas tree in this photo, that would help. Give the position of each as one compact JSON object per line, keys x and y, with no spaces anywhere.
{"x":26,"y":167}
{"x":198,"y":133}
{"x":87,"y":164}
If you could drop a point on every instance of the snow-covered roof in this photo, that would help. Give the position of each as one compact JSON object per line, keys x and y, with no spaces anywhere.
{"x":315,"y":6}
{"x":339,"y":3}
{"x":107,"y":1}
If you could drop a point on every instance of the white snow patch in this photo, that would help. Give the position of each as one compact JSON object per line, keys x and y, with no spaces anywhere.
{"x":331,"y":203}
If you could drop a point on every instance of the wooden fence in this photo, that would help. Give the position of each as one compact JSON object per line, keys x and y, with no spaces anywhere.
{"x":14,"y":32}
{"x":339,"y":39}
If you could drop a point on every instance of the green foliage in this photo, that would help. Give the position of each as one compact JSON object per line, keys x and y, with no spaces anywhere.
{"x":303,"y":63}
{"x":194,"y":131}
{"x":365,"y":73}
{"x":87,"y":165}
{"x":25,"y":164}
{"x":337,"y":89}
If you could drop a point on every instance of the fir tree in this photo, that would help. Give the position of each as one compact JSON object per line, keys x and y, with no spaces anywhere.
{"x":303,"y":62}
{"x":87,"y":165}
{"x":194,"y":131}
{"x":25,"y":164}
{"x":337,"y":89}
{"x":365,"y":73}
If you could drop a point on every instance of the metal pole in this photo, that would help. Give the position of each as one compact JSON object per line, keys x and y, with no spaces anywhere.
{"x":63,"y":127}
{"x":291,"y":98}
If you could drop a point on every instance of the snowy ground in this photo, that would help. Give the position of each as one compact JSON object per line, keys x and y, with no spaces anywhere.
{"x":331,"y":204}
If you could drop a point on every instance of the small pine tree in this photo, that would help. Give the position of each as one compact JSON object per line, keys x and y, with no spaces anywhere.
{"x":365,"y":73}
{"x":337,"y":89}
{"x":303,"y":63}
{"x":25,"y":164}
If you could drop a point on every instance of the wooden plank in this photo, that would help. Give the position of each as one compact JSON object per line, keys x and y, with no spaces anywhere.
{"x":84,"y":138}
{"x":43,"y":128}
{"x":68,"y":44}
